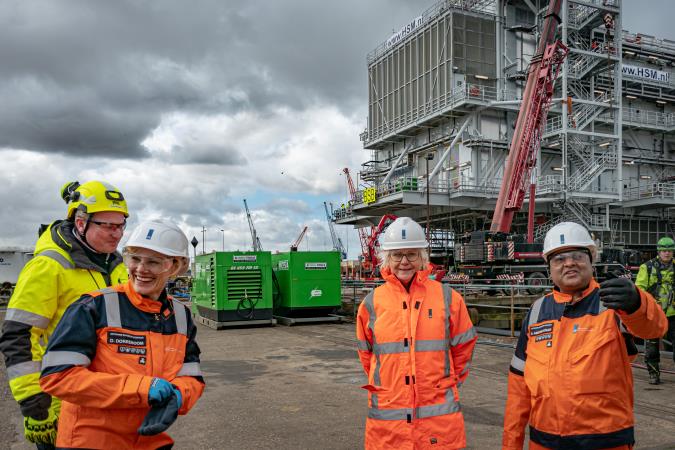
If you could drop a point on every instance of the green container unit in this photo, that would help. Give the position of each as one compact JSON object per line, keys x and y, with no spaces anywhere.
{"x":309,"y":283}
{"x":233,"y":286}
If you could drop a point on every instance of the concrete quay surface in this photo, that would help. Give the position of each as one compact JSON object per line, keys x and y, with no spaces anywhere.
{"x":299,"y":388}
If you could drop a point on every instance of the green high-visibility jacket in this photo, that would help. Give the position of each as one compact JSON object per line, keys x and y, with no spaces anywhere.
{"x":648,"y":280}
{"x":59,"y":273}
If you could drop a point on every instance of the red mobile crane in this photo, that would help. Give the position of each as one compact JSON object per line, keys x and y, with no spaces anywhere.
{"x":543,"y":71}
{"x":497,"y":254}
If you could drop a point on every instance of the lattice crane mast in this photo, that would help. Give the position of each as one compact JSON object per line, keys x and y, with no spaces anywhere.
{"x":254,"y":235}
{"x":363,"y":234}
{"x":543,"y":71}
{"x":337,"y":242}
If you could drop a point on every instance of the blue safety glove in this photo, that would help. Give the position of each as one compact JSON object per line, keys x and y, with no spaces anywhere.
{"x":160,"y":391}
{"x":620,"y":293}
{"x":161,"y":417}
{"x":179,"y":396}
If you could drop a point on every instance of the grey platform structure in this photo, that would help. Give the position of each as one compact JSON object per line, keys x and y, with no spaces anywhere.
{"x":444,"y":93}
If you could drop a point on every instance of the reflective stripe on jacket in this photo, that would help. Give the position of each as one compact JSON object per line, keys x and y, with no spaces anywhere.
{"x":102,"y":358}
{"x":648,"y":280}
{"x":416,"y":348}
{"x":570,"y":377}
{"x":59,"y":273}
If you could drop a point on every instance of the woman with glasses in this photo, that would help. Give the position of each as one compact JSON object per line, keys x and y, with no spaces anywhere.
{"x":124,"y":360}
{"x":415,"y":342}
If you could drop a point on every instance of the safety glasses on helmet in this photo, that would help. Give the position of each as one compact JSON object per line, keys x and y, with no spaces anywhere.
{"x":152,"y":264}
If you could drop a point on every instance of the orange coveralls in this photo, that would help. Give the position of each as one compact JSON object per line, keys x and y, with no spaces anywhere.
{"x":570,"y":377}
{"x":102,"y":357}
{"x":416,"y":347}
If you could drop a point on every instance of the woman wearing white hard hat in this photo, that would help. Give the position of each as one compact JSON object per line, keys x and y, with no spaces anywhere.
{"x":415,"y":342}
{"x":124,"y":360}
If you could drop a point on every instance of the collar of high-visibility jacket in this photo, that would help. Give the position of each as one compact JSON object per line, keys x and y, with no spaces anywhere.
{"x":387,"y":275}
{"x":143,"y":303}
{"x":561,"y":297}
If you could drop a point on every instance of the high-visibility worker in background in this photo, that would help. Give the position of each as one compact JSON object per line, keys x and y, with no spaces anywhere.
{"x":124,"y":360}
{"x":71,"y":257}
{"x":570,"y":377}
{"x":656,"y":276}
{"x":415,"y":342}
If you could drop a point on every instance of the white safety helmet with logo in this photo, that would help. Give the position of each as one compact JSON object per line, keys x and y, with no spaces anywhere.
{"x":162,"y":236}
{"x":569,"y":235}
{"x":403,"y":233}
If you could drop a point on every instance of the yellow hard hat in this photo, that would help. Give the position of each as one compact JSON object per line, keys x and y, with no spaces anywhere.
{"x":92,"y":197}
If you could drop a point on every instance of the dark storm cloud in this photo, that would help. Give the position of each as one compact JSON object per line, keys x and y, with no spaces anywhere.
{"x":95,"y":77}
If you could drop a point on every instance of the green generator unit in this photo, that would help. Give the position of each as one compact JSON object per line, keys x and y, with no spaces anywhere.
{"x":308,"y":283}
{"x":233,"y":287}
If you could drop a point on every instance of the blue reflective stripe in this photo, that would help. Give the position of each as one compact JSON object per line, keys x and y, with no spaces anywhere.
{"x":390,"y":414}
{"x":26,"y":317}
{"x":463,"y":338}
{"x":58,"y":257}
{"x":431,"y":345}
{"x":64,"y":358}
{"x":363,"y":345}
{"x":181,"y":317}
{"x":21,"y":369}
{"x":192,"y":369}
{"x":112,"y":307}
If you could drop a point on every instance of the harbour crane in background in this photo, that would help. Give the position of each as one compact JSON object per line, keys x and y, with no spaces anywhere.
{"x":337,"y":242}
{"x":254,"y":235}
{"x":296,"y":243}
{"x":363,"y":234}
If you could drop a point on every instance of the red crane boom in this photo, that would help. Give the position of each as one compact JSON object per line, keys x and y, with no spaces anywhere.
{"x":363,"y":234}
{"x":543,"y":71}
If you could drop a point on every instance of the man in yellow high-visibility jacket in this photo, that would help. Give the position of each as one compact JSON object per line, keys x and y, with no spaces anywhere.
{"x":71,"y":257}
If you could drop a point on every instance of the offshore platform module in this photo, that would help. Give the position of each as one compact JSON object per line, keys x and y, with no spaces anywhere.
{"x":493,"y":254}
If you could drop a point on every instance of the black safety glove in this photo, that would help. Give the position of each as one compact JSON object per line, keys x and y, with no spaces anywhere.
{"x":160,"y":417}
{"x":620,"y":293}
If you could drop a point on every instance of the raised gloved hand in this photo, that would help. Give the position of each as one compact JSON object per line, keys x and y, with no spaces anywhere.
{"x":41,"y":431}
{"x":161,"y":417}
{"x":160,"y":391}
{"x":620,"y":293}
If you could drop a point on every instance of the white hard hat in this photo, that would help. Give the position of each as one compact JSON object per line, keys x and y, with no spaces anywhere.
{"x":162,"y":236}
{"x":403,"y":233}
{"x":569,"y":235}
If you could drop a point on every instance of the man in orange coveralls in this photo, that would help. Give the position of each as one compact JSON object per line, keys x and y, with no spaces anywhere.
{"x":124,"y":360}
{"x":415,"y":342}
{"x":570,"y":377}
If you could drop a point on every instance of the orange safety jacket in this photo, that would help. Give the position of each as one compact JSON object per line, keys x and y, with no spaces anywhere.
{"x":416,"y":348}
{"x":102,"y":358}
{"x":570,"y":377}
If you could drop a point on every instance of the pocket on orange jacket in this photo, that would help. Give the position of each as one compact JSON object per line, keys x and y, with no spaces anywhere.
{"x":537,"y":369}
{"x":599,"y":365}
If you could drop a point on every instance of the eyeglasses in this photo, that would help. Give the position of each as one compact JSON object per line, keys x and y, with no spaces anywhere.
{"x":576,"y":256}
{"x":110,"y":226}
{"x":152,"y":264}
{"x":410,"y":256}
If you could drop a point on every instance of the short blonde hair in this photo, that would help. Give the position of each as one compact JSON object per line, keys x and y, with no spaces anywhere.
{"x":384,"y":256}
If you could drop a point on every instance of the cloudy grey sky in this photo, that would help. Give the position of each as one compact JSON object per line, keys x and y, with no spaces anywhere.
{"x":188,"y":107}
